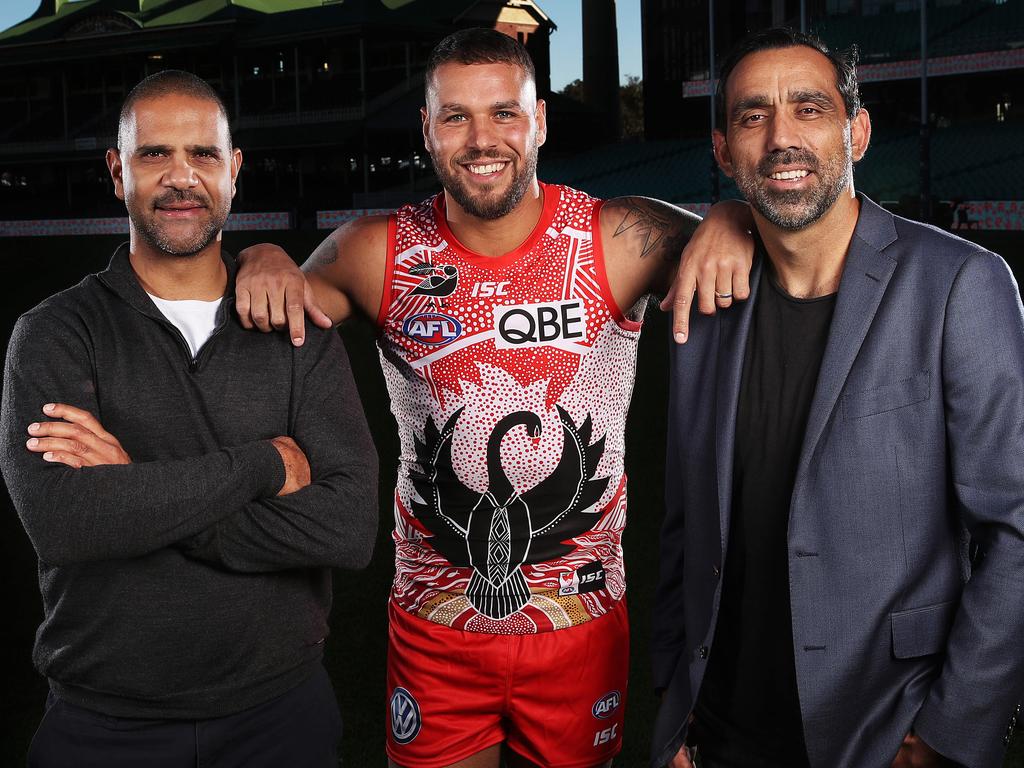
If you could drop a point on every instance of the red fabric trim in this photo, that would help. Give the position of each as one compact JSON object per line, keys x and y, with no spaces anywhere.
{"x":602,"y":276}
{"x":552,"y":197}
{"x":389,"y":271}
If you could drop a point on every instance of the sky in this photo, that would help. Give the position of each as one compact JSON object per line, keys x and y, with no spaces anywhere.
{"x":566,"y":42}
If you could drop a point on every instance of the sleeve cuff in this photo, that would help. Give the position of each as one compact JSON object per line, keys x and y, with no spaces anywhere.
{"x":261,"y":462}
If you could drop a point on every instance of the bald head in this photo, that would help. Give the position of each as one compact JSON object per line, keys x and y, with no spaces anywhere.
{"x":165,"y":83}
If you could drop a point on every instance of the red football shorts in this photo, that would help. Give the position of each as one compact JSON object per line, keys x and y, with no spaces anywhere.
{"x":556,"y":698}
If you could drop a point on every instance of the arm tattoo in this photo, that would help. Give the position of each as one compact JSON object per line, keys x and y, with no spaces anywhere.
{"x":656,"y":232}
{"x":325,"y":253}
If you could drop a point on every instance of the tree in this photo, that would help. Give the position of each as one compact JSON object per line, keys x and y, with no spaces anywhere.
{"x":631,"y":107}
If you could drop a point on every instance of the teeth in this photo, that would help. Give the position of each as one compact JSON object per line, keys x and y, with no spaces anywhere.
{"x":492,"y":168}
{"x":783,"y":175}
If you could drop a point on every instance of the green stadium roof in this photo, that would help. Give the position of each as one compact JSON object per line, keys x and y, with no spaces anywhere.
{"x":61,"y":19}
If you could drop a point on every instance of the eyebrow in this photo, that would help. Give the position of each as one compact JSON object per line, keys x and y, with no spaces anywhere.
{"x":143,"y":149}
{"x":750,"y":102}
{"x":212,"y":149}
{"x":761,"y":101}
{"x":454,"y":107}
{"x":815,"y":97}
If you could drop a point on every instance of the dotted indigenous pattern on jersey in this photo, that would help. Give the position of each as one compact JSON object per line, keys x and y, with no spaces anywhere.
{"x":510,"y":379}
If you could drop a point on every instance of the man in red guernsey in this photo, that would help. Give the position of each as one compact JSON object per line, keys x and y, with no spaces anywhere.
{"x":508,"y":313}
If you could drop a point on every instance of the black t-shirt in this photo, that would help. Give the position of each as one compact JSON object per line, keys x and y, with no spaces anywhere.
{"x":748,"y":710}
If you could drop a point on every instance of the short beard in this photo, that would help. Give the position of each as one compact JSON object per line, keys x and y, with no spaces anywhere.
{"x":485,"y":207}
{"x":154,"y":235}
{"x":795,"y":209}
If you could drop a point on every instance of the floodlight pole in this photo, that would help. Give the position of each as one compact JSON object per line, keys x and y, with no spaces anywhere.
{"x":926,"y":180}
{"x":715,"y":191}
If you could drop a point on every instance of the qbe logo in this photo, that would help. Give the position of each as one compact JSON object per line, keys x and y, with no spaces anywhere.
{"x":607,"y":705}
{"x":432,"y":328}
{"x":405,"y":716}
{"x":552,"y":323}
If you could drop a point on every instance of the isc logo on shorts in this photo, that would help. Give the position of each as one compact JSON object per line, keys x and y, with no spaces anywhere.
{"x":586,"y":578}
{"x":405,"y":716}
{"x":553,"y":323}
{"x":607,"y":705}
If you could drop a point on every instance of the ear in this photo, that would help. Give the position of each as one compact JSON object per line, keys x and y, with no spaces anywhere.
{"x":722,"y":155}
{"x":860,"y":134}
{"x":425,"y":119}
{"x":114,"y":166}
{"x":542,"y":122}
{"x":236,"y":166}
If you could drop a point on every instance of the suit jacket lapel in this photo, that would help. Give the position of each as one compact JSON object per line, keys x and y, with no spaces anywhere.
{"x":865,"y":276}
{"x":733,"y":328}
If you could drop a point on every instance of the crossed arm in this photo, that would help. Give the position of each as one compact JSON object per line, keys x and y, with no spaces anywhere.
{"x":246,"y":507}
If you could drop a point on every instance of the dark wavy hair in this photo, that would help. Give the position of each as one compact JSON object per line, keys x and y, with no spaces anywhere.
{"x":844,"y":62}
{"x":479,"y":45}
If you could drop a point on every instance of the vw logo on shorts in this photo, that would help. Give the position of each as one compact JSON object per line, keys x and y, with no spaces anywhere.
{"x":405,"y":716}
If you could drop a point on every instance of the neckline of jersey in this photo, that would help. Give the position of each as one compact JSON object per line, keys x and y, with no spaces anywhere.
{"x":552,"y":195}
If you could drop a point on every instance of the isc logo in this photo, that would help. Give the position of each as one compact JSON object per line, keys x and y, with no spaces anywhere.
{"x":587,"y":578}
{"x":534,"y":325}
{"x":487,"y":289}
{"x":607,"y":705}
{"x":432,"y":328}
{"x":605,"y":736}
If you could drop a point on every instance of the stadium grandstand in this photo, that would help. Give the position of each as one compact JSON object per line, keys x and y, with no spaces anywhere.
{"x":975,"y":113}
{"x":324,"y":97}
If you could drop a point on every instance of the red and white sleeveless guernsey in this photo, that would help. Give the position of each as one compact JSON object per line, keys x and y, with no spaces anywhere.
{"x":510,"y":378}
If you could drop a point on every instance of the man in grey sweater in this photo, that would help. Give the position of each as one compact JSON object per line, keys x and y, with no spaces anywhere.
{"x":185,"y":521}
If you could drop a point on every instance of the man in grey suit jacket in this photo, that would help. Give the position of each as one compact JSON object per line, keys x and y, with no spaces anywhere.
{"x":842,"y":558}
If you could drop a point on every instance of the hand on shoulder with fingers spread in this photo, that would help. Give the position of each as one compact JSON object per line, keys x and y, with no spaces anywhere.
{"x":343,"y":276}
{"x":643,"y":240}
{"x":715,"y":266}
{"x":272,"y":293}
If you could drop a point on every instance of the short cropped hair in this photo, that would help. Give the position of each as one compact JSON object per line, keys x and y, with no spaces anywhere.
{"x":844,"y":62}
{"x":479,"y":45}
{"x":165,"y":83}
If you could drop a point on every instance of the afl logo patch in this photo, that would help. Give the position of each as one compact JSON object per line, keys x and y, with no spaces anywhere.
{"x":405,"y":716}
{"x":432,"y":328}
{"x":607,"y":705}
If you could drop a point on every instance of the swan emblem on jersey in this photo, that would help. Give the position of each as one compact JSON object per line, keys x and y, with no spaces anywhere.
{"x":497,"y":532}
{"x":440,"y":281}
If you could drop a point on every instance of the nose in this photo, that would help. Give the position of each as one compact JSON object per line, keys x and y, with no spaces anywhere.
{"x":482,"y":135}
{"x":784,"y":131}
{"x":180,"y":174}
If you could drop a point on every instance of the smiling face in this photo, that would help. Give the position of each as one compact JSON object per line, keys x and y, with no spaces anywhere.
{"x":482,"y":126}
{"x":175,"y":171}
{"x":788,"y":142}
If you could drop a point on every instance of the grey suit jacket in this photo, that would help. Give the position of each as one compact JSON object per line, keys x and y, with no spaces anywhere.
{"x":906,"y":527}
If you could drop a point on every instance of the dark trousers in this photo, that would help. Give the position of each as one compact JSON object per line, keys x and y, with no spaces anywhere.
{"x":717,"y":753}
{"x":300,"y":729}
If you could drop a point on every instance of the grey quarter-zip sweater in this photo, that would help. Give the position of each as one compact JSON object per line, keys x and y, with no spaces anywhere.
{"x":180,"y":585}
